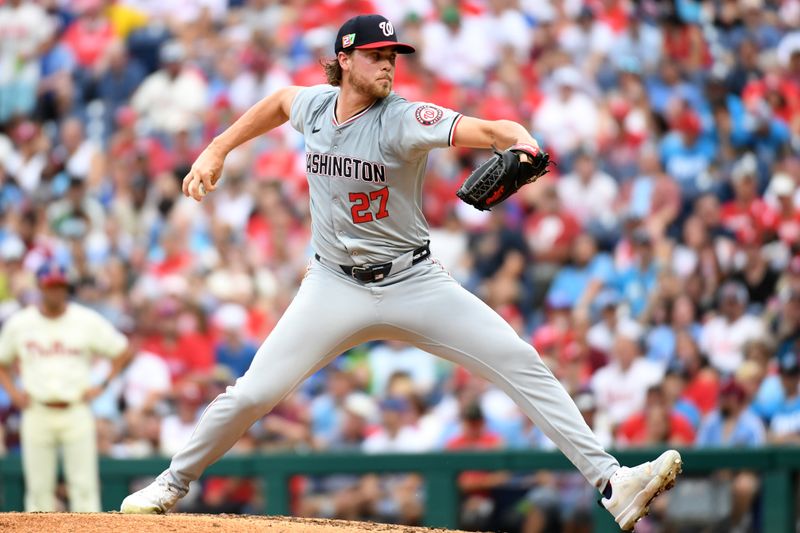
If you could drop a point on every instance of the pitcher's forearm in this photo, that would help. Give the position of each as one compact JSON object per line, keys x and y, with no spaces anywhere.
{"x":269,"y":113}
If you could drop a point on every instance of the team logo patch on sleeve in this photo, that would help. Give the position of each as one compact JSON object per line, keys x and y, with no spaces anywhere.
{"x":428,"y":115}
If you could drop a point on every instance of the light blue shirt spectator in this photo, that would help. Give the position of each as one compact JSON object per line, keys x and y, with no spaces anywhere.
{"x":571,"y":281}
{"x":747,"y":432}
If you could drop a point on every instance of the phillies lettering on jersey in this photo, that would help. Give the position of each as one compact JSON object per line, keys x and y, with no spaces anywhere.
{"x":365,"y":175}
{"x":53,"y":349}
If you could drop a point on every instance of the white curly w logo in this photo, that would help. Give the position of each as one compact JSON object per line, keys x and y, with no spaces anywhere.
{"x":387,"y":28}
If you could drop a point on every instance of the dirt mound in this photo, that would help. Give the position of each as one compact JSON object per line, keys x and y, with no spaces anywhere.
{"x":186,"y":523}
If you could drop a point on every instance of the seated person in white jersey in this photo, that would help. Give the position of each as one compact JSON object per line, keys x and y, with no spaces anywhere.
{"x":372,"y":276}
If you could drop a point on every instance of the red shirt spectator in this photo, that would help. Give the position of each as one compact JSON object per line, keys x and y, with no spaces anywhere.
{"x":549,"y":231}
{"x":90,"y":35}
{"x":747,"y":215}
{"x":475,"y":436}
{"x":635,"y":432}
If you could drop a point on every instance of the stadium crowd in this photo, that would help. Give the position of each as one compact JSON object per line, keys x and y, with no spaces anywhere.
{"x":656,"y":269}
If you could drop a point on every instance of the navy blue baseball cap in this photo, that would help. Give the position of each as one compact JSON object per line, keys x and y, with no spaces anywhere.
{"x":369,"y":31}
{"x":51,"y":274}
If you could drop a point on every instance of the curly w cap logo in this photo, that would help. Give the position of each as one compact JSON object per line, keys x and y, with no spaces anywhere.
{"x":387,"y":28}
{"x":348,"y":40}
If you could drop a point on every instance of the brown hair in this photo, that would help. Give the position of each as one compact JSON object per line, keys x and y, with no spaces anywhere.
{"x":333,"y":70}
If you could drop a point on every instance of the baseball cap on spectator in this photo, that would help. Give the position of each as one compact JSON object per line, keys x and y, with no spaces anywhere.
{"x":585,"y":401}
{"x":745,"y":167}
{"x":12,"y":248}
{"x":230,"y":317}
{"x":472,"y":413}
{"x":567,"y":76}
{"x":630,"y":329}
{"x":369,"y":31}
{"x":51,"y":274}
{"x":788,"y":364}
{"x":545,"y":337}
{"x":362,"y":405}
{"x":731,"y":387}
{"x":398,"y":405}
{"x":782,"y":185}
{"x":734,"y":290}
{"x":558,"y":300}
{"x":688,"y":122}
{"x":172,"y":52}
{"x":607,"y":298}
{"x":317,"y":38}
{"x":190,"y":392}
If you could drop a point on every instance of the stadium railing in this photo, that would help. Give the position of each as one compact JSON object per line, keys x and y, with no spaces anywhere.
{"x":777,"y":466}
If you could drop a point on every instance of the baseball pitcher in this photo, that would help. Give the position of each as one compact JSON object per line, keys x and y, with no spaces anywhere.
{"x":54,"y":344}
{"x":372,"y":276}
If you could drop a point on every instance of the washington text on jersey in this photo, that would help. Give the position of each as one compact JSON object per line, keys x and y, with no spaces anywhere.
{"x":338,"y":166}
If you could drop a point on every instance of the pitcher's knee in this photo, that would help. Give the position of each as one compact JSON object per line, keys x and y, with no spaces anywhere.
{"x":257,"y":403}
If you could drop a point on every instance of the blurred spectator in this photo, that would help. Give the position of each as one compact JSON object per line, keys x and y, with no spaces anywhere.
{"x":747,"y":216}
{"x":89,"y":34}
{"x":587,"y":267}
{"x":658,"y":424}
{"x":234,"y":350}
{"x":27,"y":161}
{"x":177,"y":428}
{"x":117,"y":79}
{"x":476,"y":486}
{"x":733,"y":424}
{"x":326,"y":408}
{"x":785,"y":424}
{"x":394,"y":434}
{"x":588,"y":192}
{"x":456,"y":48}
{"x":638,"y":281}
{"x":24,"y":27}
{"x":724,"y":336}
{"x":390,"y":357}
{"x":567,"y":117}
{"x":173,"y":97}
{"x":621,"y":386}
{"x":687,"y":154}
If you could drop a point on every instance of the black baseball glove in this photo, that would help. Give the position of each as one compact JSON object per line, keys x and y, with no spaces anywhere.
{"x":502,"y":175}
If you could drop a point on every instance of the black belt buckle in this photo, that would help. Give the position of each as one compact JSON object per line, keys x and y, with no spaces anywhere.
{"x":369,"y":273}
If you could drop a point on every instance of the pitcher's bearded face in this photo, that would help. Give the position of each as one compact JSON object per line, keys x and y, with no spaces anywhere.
{"x":372,"y":71}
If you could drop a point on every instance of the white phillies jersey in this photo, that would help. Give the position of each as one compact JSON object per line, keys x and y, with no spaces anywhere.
{"x":365,"y":175}
{"x":56,"y":353}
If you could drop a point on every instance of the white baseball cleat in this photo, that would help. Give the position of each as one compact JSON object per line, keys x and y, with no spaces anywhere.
{"x":632,"y":489}
{"x":157,"y":498}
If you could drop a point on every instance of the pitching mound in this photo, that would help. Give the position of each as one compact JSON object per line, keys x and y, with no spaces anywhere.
{"x":186,"y":523}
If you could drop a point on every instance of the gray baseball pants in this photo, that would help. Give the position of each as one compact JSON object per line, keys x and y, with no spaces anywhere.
{"x":421,"y":305}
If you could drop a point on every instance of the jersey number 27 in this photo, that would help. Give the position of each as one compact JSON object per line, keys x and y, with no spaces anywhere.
{"x":361,"y":202}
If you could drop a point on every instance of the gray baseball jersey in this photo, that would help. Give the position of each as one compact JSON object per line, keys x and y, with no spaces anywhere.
{"x":365,"y":178}
{"x":365,"y":175}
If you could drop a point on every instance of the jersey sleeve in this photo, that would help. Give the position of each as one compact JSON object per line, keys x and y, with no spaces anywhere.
{"x":8,"y":351}
{"x":305,"y":102}
{"x":106,"y":340}
{"x":422,"y":126}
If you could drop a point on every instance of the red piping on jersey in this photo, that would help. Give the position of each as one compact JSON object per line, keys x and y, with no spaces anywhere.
{"x":451,"y":141}
{"x":351,"y":119}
